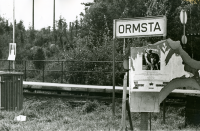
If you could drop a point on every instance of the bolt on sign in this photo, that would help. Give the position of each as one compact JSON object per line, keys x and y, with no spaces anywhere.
{"x":140,"y":27}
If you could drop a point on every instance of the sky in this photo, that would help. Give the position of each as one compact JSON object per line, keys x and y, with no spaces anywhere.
{"x":43,"y":11}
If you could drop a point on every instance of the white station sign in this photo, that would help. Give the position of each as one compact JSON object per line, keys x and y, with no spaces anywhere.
{"x":140,"y":27}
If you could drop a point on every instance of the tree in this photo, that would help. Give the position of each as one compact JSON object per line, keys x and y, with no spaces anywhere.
{"x":39,"y":55}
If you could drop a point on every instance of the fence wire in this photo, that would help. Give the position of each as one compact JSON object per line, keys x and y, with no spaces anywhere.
{"x":71,"y":72}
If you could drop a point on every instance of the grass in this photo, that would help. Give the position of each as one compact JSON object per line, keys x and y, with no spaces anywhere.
{"x":56,"y":114}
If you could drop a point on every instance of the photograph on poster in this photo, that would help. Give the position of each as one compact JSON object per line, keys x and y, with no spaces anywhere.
{"x":151,"y":60}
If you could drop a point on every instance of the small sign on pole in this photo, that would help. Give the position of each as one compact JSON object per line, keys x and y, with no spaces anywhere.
{"x":12,"y":51}
{"x":184,"y":39}
{"x":183,"y":17}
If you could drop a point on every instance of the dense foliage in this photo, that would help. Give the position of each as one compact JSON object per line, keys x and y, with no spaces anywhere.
{"x":91,"y":37}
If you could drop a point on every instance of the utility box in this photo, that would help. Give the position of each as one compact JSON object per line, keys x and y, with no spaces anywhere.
{"x":192,"y":110}
{"x":11,"y":91}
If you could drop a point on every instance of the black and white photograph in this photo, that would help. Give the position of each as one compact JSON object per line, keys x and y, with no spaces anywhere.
{"x":151,"y":60}
{"x":99,"y":65}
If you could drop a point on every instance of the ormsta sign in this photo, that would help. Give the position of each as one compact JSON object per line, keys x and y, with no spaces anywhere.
{"x":140,"y":27}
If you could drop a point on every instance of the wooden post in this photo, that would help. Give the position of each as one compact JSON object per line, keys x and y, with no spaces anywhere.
{"x":123,"y":122}
{"x":144,"y":121}
{"x":164,"y":111}
{"x":129,"y":114}
{"x":150,"y":121}
{"x":13,"y":66}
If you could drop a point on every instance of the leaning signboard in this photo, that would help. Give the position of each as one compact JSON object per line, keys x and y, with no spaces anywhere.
{"x":140,"y":27}
{"x":151,"y":67}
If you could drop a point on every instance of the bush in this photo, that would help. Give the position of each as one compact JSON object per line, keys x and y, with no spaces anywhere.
{"x":90,"y":106}
{"x":39,"y":55}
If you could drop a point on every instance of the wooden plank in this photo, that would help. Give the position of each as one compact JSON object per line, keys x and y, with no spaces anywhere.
{"x":144,"y":121}
{"x":129,"y":114}
{"x":123,"y":121}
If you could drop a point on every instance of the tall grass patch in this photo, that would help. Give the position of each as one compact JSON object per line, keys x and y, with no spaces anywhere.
{"x":56,"y":114}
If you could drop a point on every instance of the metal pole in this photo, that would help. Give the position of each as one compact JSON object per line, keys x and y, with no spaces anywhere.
{"x":53,"y":15}
{"x":13,"y":21}
{"x":62,"y":73}
{"x":123,"y":122}
{"x":192,"y":47}
{"x":164,"y":100}
{"x":76,"y":25}
{"x":184,"y":25}
{"x":13,"y":29}
{"x":124,"y":53}
{"x":184,"y":22}
{"x":25,"y":69}
{"x":43,"y":72}
{"x":33,"y":16}
{"x":113,"y":97}
{"x":13,"y":66}
{"x":9,"y":65}
{"x":191,"y":29}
